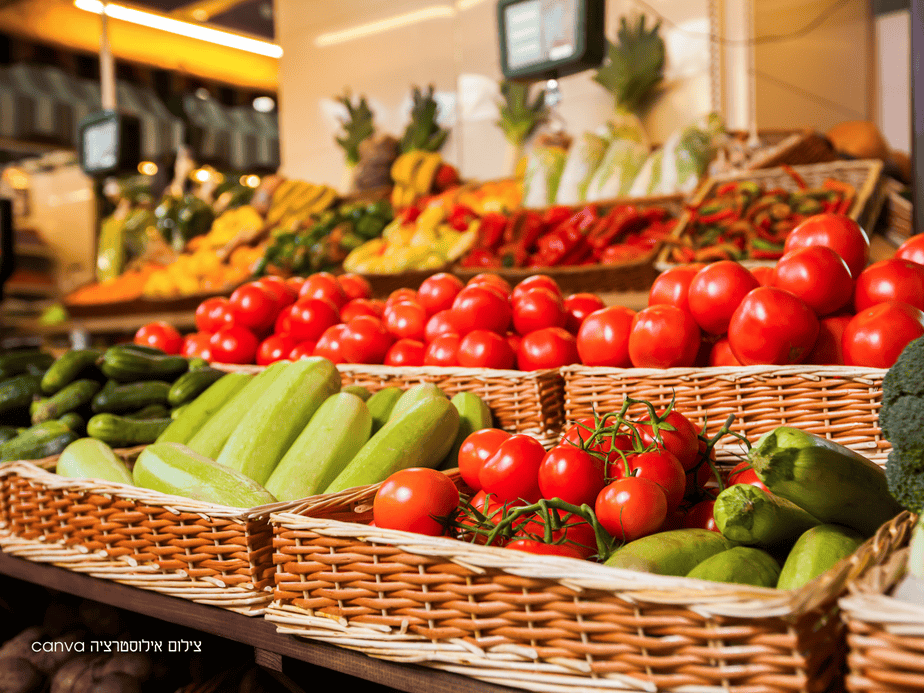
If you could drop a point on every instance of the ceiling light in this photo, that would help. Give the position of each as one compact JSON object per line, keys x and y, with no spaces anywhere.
{"x":360,"y":30}
{"x":148,"y":168}
{"x":250,"y":181}
{"x":264,"y":104}
{"x":175,"y":26}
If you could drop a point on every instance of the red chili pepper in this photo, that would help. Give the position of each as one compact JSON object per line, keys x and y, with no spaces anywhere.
{"x":556,"y":214}
{"x":410,"y":214}
{"x":491,"y":230}
{"x":481,"y":257}
{"x":460,"y":217}
{"x":800,"y":181}
{"x":729,"y":213}
{"x":513,"y":255}
{"x":726,"y":188}
{"x":758,"y":254}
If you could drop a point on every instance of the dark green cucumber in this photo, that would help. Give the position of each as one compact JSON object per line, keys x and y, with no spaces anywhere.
{"x":8,"y":433}
{"x":192,"y":384}
{"x":743,"y":565}
{"x":151,"y":411}
{"x":19,"y":391}
{"x":69,"y":398}
{"x":675,"y":552}
{"x":749,"y":515}
{"x":380,"y":405}
{"x":130,"y":396}
{"x":69,"y":367}
{"x":192,"y":416}
{"x":817,"y":550}
{"x":75,"y":422}
{"x":126,"y":364}
{"x":122,"y":431}
{"x":18,"y":361}
{"x":38,"y":441}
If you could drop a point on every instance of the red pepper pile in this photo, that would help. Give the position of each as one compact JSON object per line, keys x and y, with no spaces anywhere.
{"x":560,"y":236}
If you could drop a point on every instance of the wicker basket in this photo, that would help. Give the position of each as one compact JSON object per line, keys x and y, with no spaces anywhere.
{"x":786,"y":147}
{"x":864,"y":175}
{"x":204,"y":552}
{"x":897,"y":212}
{"x":885,"y":636}
{"x":839,"y":402}
{"x":549,"y":623}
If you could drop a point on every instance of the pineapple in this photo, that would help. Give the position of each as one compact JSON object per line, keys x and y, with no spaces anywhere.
{"x":518,"y":117}
{"x":357,"y":127}
{"x":423,"y":133}
{"x":636,"y":66}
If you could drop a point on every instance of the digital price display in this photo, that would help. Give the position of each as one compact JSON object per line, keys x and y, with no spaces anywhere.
{"x":109,"y":143}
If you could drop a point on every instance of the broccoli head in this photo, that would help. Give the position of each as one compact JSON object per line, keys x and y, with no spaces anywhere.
{"x":906,"y":376}
{"x":905,"y":476}
{"x":902,"y":422}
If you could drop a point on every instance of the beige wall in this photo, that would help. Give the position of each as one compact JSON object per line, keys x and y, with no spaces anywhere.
{"x":893,"y":78}
{"x":449,"y":52}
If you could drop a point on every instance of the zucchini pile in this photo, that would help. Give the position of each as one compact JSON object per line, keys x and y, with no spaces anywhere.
{"x":124,"y":395}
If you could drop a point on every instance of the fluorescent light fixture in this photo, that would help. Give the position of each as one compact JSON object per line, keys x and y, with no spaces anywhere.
{"x":175,"y":26}
{"x":466,"y":4}
{"x":399,"y":20}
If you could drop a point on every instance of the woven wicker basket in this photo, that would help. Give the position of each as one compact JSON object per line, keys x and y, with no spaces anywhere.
{"x":863,"y":174}
{"x":204,"y":552}
{"x":839,"y":402}
{"x":787,"y":147}
{"x":549,"y":623}
{"x":885,"y":636}
{"x":897,"y":212}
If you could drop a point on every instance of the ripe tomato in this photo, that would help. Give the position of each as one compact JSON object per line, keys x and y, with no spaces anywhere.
{"x":671,"y":287}
{"x":876,"y":336}
{"x":683,"y":442}
{"x":572,"y":474}
{"x":233,"y":344}
{"x":574,"y":531}
{"x":631,"y":507}
{"x":721,"y":354}
{"x":603,"y":339}
{"x":401,"y":295}
{"x":716,"y":291}
{"x":701,"y":516}
{"x":551,"y":347}
{"x":477,"y":448}
{"x":439,"y":323}
{"x":763,"y":274}
{"x":578,"y":307}
{"x":661,"y":467}
{"x":491,"y":509}
{"x":405,"y":352}
{"x":310,"y":317}
{"x":438,"y":291}
{"x":817,"y":275}
{"x":836,"y":231}
{"x":160,"y":335}
{"x":606,"y":446}
{"x":407,"y":319}
{"x":443,"y":351}
{"x":213,"y":314}
{"x":295,"y":283}
{"x":663,"y":336}
{"x":484,"y":349}
{"x":417,"y":499}
{"x":284,"y":292}
{"x":514,"y":340}
{"x":478,"y":307}
{"x":534,"y":281}
{"x":536,"y":309}
{"x":254,"y":307}
{"x":302,"y":350}
{"x":828,"y":349}
{"x":330,"y":344}
{"x":197,"y":344}
{"x":890,"y":280}
{"x":274,"y":348}
{"x":743,"y":473}
{"x":512,"y":472}
{"x":491,"y":279}
{"x":772,"y":326}
{"x":540,"y":548}
{"x":366,"y":340}
{"x":912,"y":249}
{"x":323,"y":285}
{"x":359,"y":306}
{"x":354,"y":286}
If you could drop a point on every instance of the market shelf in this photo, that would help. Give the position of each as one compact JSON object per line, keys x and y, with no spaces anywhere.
{"x":270,"y":646}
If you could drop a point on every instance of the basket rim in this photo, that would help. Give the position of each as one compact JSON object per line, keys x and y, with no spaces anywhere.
{"x":411,"y":371}
{"x":807,"y":371}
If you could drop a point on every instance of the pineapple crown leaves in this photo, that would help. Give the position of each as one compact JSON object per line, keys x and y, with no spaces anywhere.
{"x":636,"y":64}
{"x":357,"y":127}
{"x":519,"y":117}
{"x":423,"y":133}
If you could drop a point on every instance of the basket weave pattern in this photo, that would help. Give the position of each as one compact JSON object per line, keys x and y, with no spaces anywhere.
{"x":839,"y":402}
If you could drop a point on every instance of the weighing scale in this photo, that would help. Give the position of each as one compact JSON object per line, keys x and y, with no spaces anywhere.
{"x":109,"y":143}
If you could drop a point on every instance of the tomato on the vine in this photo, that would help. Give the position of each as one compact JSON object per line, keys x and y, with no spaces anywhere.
{"x":631,"y":507}
{"x":701,"y":516}
{"x":683,"y":441}
{"x":540,"y":548}
{"x":512,"y":472}
{"x":743,"y":473}
{"x":572,"y":474}
{"x":417,"y":499}
{"x":160,"y":335}
{"x":661,"y":467}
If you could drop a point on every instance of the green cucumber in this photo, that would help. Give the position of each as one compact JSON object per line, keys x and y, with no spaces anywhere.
{"x":116,"y":399}
{"x":381,"y":403}
{"x":261,"y":439}
{"x":128,"y":364}
{"x":151,"y":411}
{"x":829,"y":481}
{"x":743,"y":565}
{"x":815,"y":552}
{"x":69,"y":367}
{"x":192,"y":384}
{"x":89,"y":458}
{"x":19,"y":391}
{"x":420,"y":437}
{"x":360,"y":391}
{"x":69,"y":398}
{"x":336,"y":432}
{"x":175,"y":469}
{"x":122,"y":431}
{"x":18,"y":361}
{"x":749,"y":515}
{"x":414,"y":394}
{"x":40,"y":440}
{"x":75,"y":422}
{"x":8,"y":433}
{"x":192,"y":416}
{"x":474,"y":415}
{"x":675,"y":552}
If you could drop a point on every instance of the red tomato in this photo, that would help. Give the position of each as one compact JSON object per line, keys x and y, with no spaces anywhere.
{"x":763,"y":274}
{"x":716,"y":291}
{"x":578,"y":307}
{"x":323,"y":285}
{"x":330,"y":344}
{"x":233,"y":344}
{"x":254,"y":307}
{"x":514,"y":340}
{"x":310,"y":317}
{"x":359,"y":306}
{"x":354,"y":286}
{"x":406,"y":320}
{"x":607,"y":444}
{"x":512,"y":472}
{"x":366,"y":340}
{"x":743,"y":473}
{"x":772,"y":326}
{"x":552,"y":347}
{"x":477,"y":448}
{"x":160,"y":335}
{"x":532,"y":282}
{"x":671,"y":287}
{"x":283,"y":324}
{"x":540,"y":548}
{"x":661,"y":467}
{"x":536,"y":309}
{"x":828,"y":349}
{"x":699,"y":479}
{"x":400,"y":296}
{"x":572,"y":474}
{"x":836,"y":231}
{"x":417,"y":499}
{"x":603,"y":339}
{"x":197,"y":344}
{"x":285,"y":293}
{"x":492,"y":509}
{"x":876,"y":336}
{"x":274,"y":348}
{"x":683,"y":441}
{"x":484,"y":349}
{"x":491,"y":279}
{"x":912,"y":249}
{"x":213,"y":314}
{"x":438,"y":291}
{"x":405,"y":352}
{"x":890,"y":280}
{"x":817,"y":275}
{"x":439,"y":323}
{"x":721,"y":354}
{"x":701,"y":516}
{"x":477,"y":307}
{"x":663,"y":336}
{"x":443,"y":351}
{"x":631,"y":507}
{"x":295,"y":283}
{"x":302,"y":350}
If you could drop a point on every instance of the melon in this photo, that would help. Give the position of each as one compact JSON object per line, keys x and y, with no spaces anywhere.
{"x":860,"y":139}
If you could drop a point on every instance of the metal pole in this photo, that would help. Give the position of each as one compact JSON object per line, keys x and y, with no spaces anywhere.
{"x":106,"y":64}
{"x":917,"y":112}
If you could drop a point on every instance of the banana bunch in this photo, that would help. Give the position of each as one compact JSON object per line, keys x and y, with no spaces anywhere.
{"x":295,"y":201}
{"x":229,"y":224}
{"x":413,"y":174}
